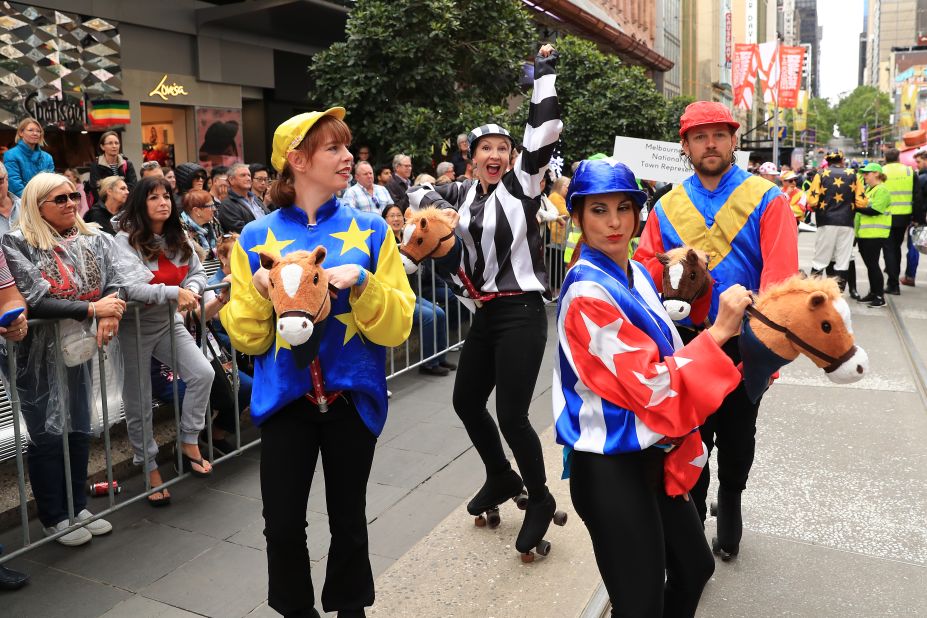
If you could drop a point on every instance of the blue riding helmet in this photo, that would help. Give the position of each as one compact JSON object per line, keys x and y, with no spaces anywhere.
{"x":604,"y":176}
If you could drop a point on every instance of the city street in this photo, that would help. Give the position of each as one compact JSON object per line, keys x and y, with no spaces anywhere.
{"x":833,"y":514}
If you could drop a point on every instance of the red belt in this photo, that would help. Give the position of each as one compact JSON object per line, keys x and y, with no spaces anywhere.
{"x":319,"y":396}
{"x":480,"y":297}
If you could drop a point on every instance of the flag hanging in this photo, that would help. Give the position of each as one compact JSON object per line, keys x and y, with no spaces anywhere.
{"x":800,"y":115}
{"x":790,"y":64}
{"x":744,"y":69}
{"x":105,"y":112}
{"x":906,"y":118}
{"x":769,"y":71}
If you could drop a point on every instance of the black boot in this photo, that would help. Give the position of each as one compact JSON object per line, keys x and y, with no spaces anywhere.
{"x":851,"y":280}
{"x":538,"y":516}
{"x":730,"y":525}
{"x":12,"y":580}
{"x":841,"y":280}
{"x":497,"y":489}
{"x":816,"y":273}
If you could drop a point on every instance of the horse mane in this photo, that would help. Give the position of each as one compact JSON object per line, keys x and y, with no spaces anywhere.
{"x":798,"y":283}
{"x":678,"y":254}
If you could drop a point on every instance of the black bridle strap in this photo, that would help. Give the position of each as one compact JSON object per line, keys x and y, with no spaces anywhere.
{"x":418,"y":261}
{"x":835,"y":362}
{"x":300,"y":313}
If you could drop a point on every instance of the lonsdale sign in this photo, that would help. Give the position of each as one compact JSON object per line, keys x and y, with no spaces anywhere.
{"x":166,"y":91}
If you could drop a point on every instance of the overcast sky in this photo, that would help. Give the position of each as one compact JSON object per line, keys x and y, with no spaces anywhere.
{"x":842,"y":21}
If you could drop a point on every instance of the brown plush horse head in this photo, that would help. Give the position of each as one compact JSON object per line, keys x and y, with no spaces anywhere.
{"x":803,"y":316}
{"x":685,"y":279}
{"x":426,"y":234}
{"x":299,"y":291}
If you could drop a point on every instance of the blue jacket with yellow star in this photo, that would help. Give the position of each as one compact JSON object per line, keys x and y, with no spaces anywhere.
{"x":352,"y":351}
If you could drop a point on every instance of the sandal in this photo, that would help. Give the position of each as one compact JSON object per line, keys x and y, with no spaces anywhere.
{"x":164,"y":500}
{"x":189,"y":462}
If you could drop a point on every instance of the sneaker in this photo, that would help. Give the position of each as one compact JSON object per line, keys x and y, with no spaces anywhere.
{"x":878,"y":301}
{"x":97,"y":527}
{"x":893,"y":290}
{"x":447,"y":365}
{"x":868,"y":298}
{"x":908,"y":281}
{"x":71,"y":539}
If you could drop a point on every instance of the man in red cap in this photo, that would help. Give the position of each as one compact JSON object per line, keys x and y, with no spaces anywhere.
{"x":745,"y":225}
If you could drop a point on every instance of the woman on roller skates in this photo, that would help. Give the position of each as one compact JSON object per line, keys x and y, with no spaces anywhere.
{"x":628,"y":400}
{"x":497,"y":268}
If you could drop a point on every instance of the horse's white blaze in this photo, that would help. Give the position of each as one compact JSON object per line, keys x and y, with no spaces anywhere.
{"x":675,"y":273}
{"x":844,"y":310}
{"x":407,"y":232}
{"x":290,"y":276}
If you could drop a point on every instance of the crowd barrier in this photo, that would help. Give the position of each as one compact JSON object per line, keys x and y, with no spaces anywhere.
{"x":13,"y":439}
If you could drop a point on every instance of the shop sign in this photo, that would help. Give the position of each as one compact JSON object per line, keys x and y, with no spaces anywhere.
{"x":62,"y":111}
{"x":165,"y":90}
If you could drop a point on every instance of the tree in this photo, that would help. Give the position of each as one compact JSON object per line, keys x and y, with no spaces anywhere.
{"x":414,"y":72}
{"x":674,"y":109}
{"x":821,"y":120}
{"x":601,"y":97}
{"x":864,"y":106}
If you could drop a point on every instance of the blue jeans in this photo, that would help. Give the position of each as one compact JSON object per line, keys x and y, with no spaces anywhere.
{"x":434,"y":323}
{"x":913,"y":258}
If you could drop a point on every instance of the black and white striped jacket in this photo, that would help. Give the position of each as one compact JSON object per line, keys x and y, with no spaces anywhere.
{"x":502,"y":248}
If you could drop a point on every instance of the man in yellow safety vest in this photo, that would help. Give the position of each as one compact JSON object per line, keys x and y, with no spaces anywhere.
{"x":901,"y":182}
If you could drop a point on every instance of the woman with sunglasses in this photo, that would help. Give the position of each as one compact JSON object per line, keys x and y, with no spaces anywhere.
{"x":69,"y":271}
{"x":150,"y":229}
{"x":199,"y":216}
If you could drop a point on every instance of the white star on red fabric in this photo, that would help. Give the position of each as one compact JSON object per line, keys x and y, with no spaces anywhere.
{"x":604,"y":343}
{"x":659,"y":384}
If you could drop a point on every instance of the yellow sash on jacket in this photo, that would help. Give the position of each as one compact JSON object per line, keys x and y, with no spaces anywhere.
{"x":731,"y":218}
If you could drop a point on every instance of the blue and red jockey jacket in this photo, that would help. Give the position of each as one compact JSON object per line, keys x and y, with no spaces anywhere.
{"x":746,"y":227}
{"x":623,"y":381}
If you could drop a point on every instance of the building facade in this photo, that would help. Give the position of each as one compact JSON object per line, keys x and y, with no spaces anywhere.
{"x":668,"y":43}
{"x":190,"y":81}
{"x":810,"y":35}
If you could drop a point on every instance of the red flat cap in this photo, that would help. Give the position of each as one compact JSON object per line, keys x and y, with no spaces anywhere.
{"x":706,"y":112}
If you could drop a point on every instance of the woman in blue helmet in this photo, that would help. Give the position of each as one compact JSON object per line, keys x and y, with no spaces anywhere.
{"x":628,"y":400}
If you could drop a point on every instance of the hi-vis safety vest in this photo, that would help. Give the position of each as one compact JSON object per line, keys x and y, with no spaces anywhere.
{"x":875,"y":226}
{"x":900,"y":184}
{"x":570,"y":246}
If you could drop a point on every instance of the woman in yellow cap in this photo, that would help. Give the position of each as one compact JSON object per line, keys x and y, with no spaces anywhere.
{"x":372,"y":311}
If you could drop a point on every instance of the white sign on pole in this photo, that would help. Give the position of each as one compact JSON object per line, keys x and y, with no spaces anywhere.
{"x":660,"y":161}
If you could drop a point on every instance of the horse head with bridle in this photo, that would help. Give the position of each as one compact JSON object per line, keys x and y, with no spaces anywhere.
{"x":427,"y":233}
{"x":685,"y":280}
{"x":803,"y":316}
{"x":300,"y":291}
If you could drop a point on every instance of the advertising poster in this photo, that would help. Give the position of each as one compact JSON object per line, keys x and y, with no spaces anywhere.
{"x":218,"y":136}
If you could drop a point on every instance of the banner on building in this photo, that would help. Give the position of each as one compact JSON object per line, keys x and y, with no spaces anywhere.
{"x":769,"y":71}
{"x":660,"y":161}
{"x":906,"y":116}
{"x":800,"y":114}
{"x":745,"y":63}
{"x":790,"y":64}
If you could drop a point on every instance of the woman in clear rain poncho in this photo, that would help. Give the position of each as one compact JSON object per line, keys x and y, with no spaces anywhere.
{"x":67,"y":270}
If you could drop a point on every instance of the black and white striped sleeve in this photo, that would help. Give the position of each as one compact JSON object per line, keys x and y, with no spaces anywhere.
{"x":448,"y":195}
{"x":543,"y":128}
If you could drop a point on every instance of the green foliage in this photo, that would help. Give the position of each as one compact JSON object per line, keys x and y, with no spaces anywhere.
{"x":601,"y":98}
{"x":674,"y":109}
{"x":821,"y":118}
{"x":865,"y":105}
{"x":413,"y":73}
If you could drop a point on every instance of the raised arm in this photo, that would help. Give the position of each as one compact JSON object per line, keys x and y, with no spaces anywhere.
{"x":544,"y":125}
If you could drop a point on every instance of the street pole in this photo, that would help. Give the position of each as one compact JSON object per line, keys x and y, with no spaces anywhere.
{"x":775,"y":153}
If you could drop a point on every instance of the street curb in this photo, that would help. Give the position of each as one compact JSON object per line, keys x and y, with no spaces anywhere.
{"x":917,"y":363}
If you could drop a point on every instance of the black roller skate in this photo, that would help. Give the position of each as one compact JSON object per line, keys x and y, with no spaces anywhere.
{"x":497,"y":489}
{"x":538,"y":516}
{"x":730,"y":524}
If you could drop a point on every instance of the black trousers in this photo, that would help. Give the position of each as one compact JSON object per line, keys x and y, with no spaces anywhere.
{"x":870,"y":249}
{"x":639,"y":533}
{"x":503,"y":350}
{"x":893,"y":249}
{"x":732,"y":428}
{"x":291,"y":442}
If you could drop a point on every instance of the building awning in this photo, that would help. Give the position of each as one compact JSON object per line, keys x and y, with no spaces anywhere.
{"x":596,"y":24}
{"x":296,"y":22}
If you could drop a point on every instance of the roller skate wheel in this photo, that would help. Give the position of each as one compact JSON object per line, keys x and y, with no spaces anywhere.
{"x":560,"y":518}
{"x":527,"y":557}
{"x":521,"y":501}
{"x":479,"y":521}
{"x":492,"y":519}
{"x":713,"y":509}
{"x":543,"y":548}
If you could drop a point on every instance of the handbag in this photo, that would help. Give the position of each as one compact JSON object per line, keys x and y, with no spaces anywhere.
{"x":919,"y":238}
{"x":78,"y":341}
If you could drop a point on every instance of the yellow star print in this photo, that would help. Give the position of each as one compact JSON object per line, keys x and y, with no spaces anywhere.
{"x":271,"y":244}
{"x":353,"y":238}
{"x":350,"y":327}
{"x":825,"y":173}
{"x":838,"y":182}
{"x":838,"y":198}
{"x":279,"y":343}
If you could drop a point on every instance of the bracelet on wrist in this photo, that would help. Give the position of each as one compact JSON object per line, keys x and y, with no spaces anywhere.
{"x":361,"y":275}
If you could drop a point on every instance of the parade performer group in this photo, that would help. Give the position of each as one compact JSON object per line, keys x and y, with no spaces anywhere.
{"x":500,"y":251}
